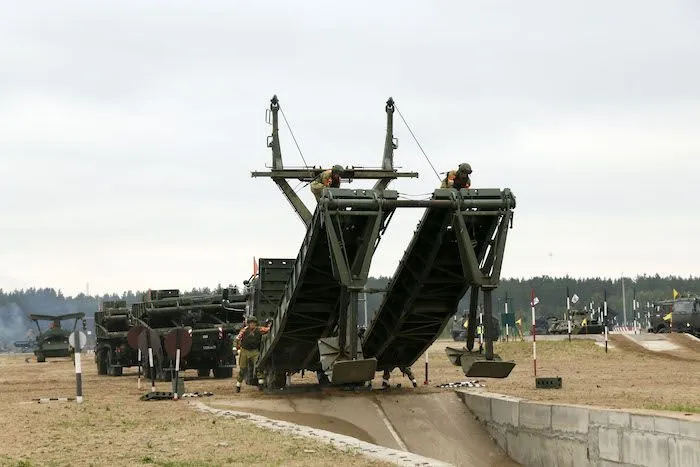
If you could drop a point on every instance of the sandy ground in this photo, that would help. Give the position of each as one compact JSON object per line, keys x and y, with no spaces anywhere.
{"x":114,"y":427}
{"x":628,"y":376}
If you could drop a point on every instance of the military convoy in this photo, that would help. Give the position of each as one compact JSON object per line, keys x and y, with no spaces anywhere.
{"x":212,"y":321}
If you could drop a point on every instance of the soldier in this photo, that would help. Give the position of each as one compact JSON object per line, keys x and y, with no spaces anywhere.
{"x":248,"y":345}
{"x":459,"y":178}
{"x":405,"y":371}
{"x":327,"y":178}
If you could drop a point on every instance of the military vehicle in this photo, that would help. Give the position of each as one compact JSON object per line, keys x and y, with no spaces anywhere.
{"x":112,"y":352}
{"x":312,"y":299}
{"x":25,"y":346}
{"x":684,"y":316}
{"x":54,"y":341}
{"x":212,"y":325}
{"x":459,"y":331}
{"x":581,"y":323}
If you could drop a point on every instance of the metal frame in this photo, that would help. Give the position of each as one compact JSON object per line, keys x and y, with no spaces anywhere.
{"x":459,"y":244}
{"x":280,"y":175}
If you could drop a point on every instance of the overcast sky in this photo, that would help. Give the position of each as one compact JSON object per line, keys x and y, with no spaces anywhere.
{"x":128,"y":132}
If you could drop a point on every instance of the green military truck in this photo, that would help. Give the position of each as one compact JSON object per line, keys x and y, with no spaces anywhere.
{"x":212,"y":326}
{"x":680,"y":315}
{"x":112,"y":352}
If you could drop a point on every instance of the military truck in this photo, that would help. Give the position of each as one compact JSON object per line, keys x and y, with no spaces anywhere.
{"x":112,"y":351}
{"x":211,"y":325}
{"x":684,"y":316}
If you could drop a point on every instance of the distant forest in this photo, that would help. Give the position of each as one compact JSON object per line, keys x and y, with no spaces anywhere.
{"x":551,"y":292}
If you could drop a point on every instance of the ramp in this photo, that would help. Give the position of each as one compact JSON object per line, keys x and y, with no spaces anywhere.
{"x":438,"y":426}
{"x":335,"y":253}
{"x":454,"y":244}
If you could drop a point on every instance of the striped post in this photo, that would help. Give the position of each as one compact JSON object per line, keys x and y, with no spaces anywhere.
{"x":426,"y":368}
{"x":568,"y":314}
{"x":534,"y":332}
{"x":78,"y":368}
{"x":139,"y":359}
{"x":605,"y":317}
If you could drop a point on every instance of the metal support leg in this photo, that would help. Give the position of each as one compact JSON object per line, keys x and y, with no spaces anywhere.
{"x":342,"y":320}
{"x":471,"y":327}
{"x":352,"y":324}
{"x":488,"y":323}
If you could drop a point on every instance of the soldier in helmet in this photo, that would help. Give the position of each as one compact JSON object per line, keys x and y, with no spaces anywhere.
{"x":328,"y":178}
{"x":248,"y":345}
{"x":459,"y":178}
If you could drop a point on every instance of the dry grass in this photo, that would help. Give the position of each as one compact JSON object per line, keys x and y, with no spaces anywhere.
{"x":113,"y":427}
{"x":628,"y":377}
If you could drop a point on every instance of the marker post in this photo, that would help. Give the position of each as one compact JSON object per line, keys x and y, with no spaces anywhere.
{"x":78,"y":367}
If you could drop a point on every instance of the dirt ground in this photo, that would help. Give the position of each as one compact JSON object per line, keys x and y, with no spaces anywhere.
{"x":114,"y":427}
{"x":628,"y":376}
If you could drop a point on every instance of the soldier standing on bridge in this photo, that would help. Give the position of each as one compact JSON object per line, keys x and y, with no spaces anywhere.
{"x":328,"y":178}
{"x":459,"y":178}
{"x":248,"y":345}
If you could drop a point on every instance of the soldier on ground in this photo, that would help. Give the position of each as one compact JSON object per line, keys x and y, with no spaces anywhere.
{"x":459,"y":178}
{"x":405,"y":371}
{"x":248,"y":345}
{"x":328,"y":178}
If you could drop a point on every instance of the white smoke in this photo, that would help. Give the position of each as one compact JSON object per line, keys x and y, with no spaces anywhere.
{"x":13,"y":324}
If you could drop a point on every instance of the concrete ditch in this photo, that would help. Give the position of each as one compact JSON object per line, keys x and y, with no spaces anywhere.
{"x":544,"y":434}
{"x":436,"y":428}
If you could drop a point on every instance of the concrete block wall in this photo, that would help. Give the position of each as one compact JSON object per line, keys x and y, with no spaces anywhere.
{"x":544,"y":434}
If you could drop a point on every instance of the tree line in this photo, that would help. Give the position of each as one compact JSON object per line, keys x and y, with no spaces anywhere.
{"x":16,"y":305}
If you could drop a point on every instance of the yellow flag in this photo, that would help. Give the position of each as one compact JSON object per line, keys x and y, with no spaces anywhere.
{"x":675,"y":294}
{"x":583,"y":323}
{"x":519,"y":321}
{"x":668,"y":316}
{"x":466,"y":323}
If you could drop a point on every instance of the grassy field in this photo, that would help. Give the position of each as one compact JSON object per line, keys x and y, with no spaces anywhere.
{"x":628,"y":376}
{"x":113,"y":427}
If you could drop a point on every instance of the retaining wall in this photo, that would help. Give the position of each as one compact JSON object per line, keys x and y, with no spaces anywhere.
{"x":543,"y":434}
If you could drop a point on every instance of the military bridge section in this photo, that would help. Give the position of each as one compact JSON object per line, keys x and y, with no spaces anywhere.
{"x":435,"y":272}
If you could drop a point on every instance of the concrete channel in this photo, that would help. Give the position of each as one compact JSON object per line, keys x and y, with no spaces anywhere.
{"x":472,"y":427}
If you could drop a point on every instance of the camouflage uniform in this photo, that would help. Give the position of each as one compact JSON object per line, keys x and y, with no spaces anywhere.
{"x":406,"y":371}
{"x":459,"y":178}
{"x":327,"y":178}
{"x":248,"y":344}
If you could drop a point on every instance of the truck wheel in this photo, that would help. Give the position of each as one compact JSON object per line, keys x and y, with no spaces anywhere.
{"x":102,"y":362}
{"x":203,"y":372}
{"x":455,"y":336}
{"x":220,"y":373}
{"x":40,"y":358}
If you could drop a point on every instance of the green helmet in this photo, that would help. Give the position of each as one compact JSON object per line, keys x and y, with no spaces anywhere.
{"x":464,"y":168}
{"x":337,"y":169}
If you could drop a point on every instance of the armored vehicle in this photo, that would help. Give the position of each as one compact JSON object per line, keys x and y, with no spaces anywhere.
{"x":459,"y":331}
{"x":54,"y":341}
{"x":680,"y":315}
{"x":112,"y":352}
{"x":212,"y":325}
{"x":581,"y":323}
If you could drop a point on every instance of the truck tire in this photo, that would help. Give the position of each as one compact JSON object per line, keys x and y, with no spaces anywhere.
{"x":102,"y":362}
{"x":203,"y":372}
{"x":40,"y":358}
